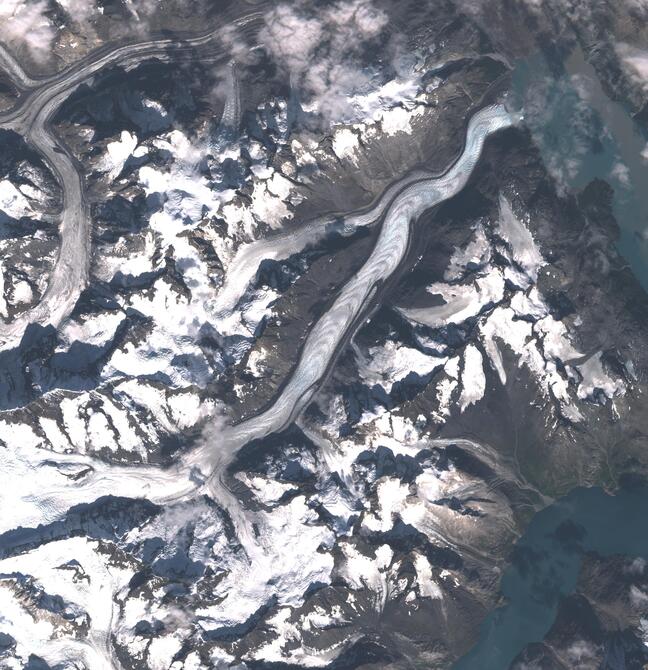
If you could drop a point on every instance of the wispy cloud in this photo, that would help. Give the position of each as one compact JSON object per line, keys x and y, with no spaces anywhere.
{"x":636,"y":63}
{"x":24,"y":24}
{"x":142,"y":10}
{"x":321,"y":49}
{"x":80,"y":11}
{"x":638,"y":7}
{"x":27,"y":24}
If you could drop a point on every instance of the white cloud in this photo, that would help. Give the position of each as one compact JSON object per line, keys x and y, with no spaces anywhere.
{"x":638,"y":6}
{"x":321,"y":51}
{"x":644,"y":152}
{"x":636,"y":62}
{"x":142,"y":9}
{"x":621,"y":173}
{"x":80,"y":11}
{"x":292,"y":38}
{"x":25,"y":24}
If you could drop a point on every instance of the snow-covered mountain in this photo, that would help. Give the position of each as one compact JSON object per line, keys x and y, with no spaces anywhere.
{"x":299,"y":327}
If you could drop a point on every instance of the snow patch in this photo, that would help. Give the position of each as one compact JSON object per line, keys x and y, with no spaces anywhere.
{"x":345,"y":143}
{"x":473,"y":379}
{"x":393,"y":362}
{"x":523,"y":247}
{"x":13,"y":202}
{"x":596,"y":379}
{"x":472,"y":256}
